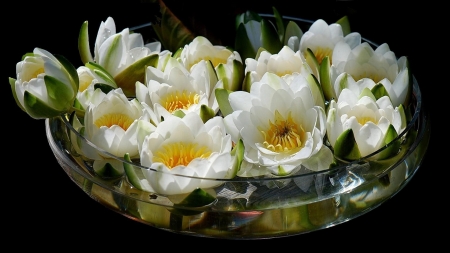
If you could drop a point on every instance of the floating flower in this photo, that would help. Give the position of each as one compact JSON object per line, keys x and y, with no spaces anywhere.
{"x":176,"y":89}
{"x":227,"y":63}
{"x":387,"y":73}
{"x":184,"y":154}
{"x":46,"y":85}
{"x":279,"y":124}
{"x":321,"y":39}
{"x":112,"y":126}
{"x":124,"y":55}
{"x":357,"y":127}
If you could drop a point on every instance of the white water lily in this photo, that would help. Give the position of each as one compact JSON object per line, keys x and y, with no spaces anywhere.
{"x":280,"y":125}
{"x":184,"y":154}
{"x":177,"y":89}
{"x":88,"y":78}
{"x":227,"y":63}
{"x":321,"y":39}
{"x":46,"y":85}
{"x":112,"y":126}
{"x":379,"y":65}
{"x":286,"y":64}
{"x":359,"y":126}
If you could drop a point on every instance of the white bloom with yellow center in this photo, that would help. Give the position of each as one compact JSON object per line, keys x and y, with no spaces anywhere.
{"x":111,"y":125}
{"x":321,"y":38}
{"x":280,"y":125}
{"x":178,"y":89}
{"x":379,"y":65}
{"x":227,"y":64}
{"x":183,"y":154}
{"x":45,"y":87}
{"x":88,"y":78}
{"x":370,"y":122}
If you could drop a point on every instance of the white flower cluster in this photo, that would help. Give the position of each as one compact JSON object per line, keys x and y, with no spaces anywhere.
{"x":204,"y":113}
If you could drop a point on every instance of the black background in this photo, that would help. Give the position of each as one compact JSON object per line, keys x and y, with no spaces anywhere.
{"x":45,"y":209}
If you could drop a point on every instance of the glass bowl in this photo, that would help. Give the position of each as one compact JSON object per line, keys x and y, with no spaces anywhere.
{"x":261,"y":206}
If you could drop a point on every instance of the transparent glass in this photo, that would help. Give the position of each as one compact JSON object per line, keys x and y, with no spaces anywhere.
{"x":256,"y":207}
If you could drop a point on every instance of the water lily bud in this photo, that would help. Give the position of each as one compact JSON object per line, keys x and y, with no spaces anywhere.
{"x":46,"y":85}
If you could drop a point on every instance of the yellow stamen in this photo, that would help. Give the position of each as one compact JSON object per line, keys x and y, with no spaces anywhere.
{"x":180,"y":153}
{"x":364,"y":120}
{"x":179,"y":100}
{"x":320,"y":53}
{"x":108,"y":120}
{"x":284,"y":135}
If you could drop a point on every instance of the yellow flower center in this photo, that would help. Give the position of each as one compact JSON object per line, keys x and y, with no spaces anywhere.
{"x":34,"y":74}
{"x":376,"y":77}
{"x":284,"y":135}
{"x":108,"y":120}
{"x":321,"y":53}
{"x":179,"y":100}
{"x":214,"y":60}
{"x":365,"y":119}
{"x":180,"y":153}
{"x":85,"y":81}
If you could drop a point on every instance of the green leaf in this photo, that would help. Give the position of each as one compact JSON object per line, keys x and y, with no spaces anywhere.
{"x":136,"y":72}
{"x":222,"y":100}
{"x":280,"y":24}
{"x":345,"y":24}
{"x":292,"y":29}
{"x":367,"y":92}
{"x":242,"y":43}
{"x":172,"y":33}
{"x":346,"y":147}
{"x":83,"y":44}
{"x":269,"y":37}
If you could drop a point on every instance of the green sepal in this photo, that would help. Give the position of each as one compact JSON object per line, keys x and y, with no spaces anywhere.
{"x":198,"y":198}
{"x":37,"y":109}
{"x":178,"y":113}
{"x":135,"y":72}
{"x":12,"y":83}
{"x":76,"y":124}
{"x":401,"y":110}
{"x":392,"y":144}
{"x":206,"y":113}
{"x":316,"y":90}
{"x":379,"y":91}
{"x":346,"y":147}
{"x":68,"y":66}
{"x":345,"y":24}
{"x":222,"y":100}
{"x":59,"y":93}
{"x":237,"y":77}
{"x":108,"y":171}
{"x":83,"y":44}
{"x":131,"y":172}
{"x":78,"y":108}
{"x":238,"y":153}
{"x":368,"y":93}
{"x":269,"y":37}
{"x":105,"y":88}
{"x":325,"y":79}
{"x":312,"y":62}
{"x":102,"y":72}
